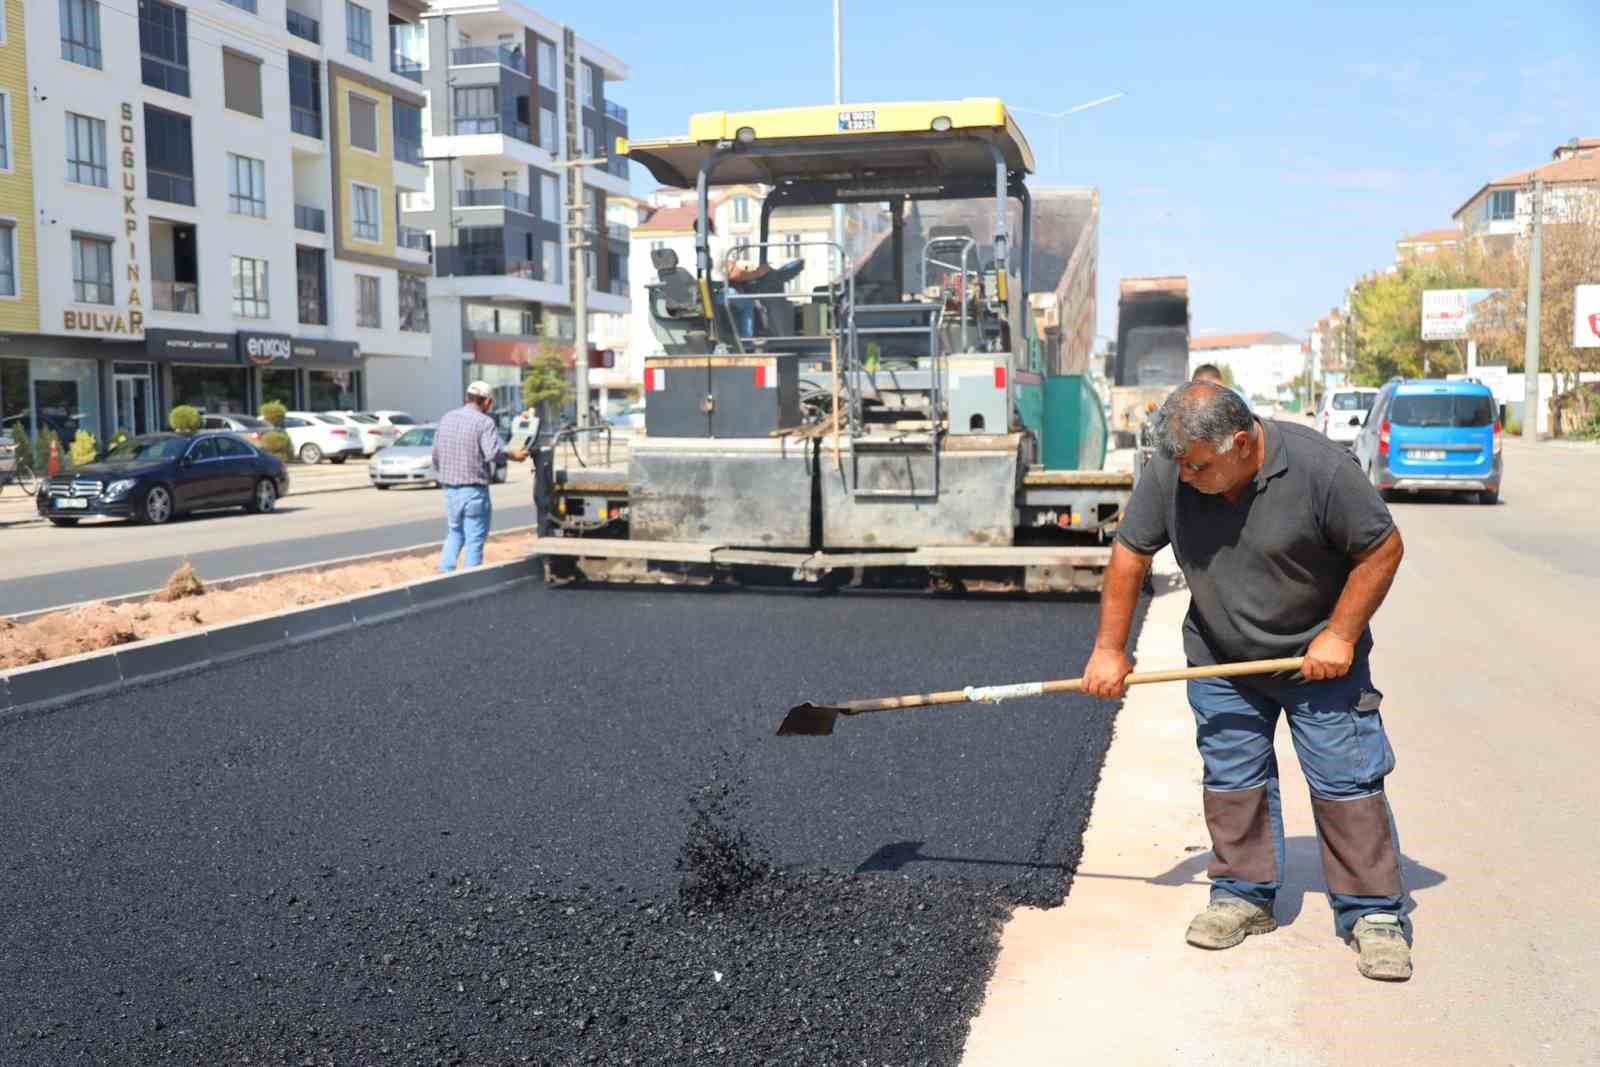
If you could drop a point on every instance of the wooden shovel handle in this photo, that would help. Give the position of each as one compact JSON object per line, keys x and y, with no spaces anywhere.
{"x":997,"y":693}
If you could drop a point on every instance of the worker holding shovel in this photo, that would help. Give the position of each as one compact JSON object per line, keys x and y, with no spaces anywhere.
{"x":1288,"y":551}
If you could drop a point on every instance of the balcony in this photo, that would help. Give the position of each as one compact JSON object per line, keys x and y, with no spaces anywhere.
{"x":617,"y":287}
{"x":617,"y":111}
{"x":405,"y":67}
{"x":488,"y":265}
{"x":407,"y":150}
{"x":313,"y":219}
{"x":478,"y":56}
{"x":175,"y":296}
{"x":617,"y":231}
{"x":303,"y":26}
{"x":616,"y":166}
{"x":502,"y":198}
{"x":413,"y":238}
{"x":468,"y":125}
{"x":304,"y":121}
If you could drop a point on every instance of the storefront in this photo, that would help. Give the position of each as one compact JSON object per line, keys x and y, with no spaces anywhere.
{"x":305,"y":373}
{"x":56,"y":383}
{"x":503,"y":363}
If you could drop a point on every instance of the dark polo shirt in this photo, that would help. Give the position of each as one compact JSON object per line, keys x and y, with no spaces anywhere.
{"x":1264,"y":574}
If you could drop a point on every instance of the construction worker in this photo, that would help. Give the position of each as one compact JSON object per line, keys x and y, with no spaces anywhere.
{"x":1288,"y":551}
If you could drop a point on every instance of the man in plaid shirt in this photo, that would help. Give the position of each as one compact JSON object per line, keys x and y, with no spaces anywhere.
{"x":466,"y":449}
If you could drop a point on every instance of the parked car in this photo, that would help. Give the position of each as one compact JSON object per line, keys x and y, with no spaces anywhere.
{"x":1433,"y":436}
{"x":153,"y":477}
{"x":313,"y":436}
{"x":248,"y":427}
{"x":409,"y":461}
{"x":392,"y":418}
{"x":1344,"y":412}
{"x":374,"y":435}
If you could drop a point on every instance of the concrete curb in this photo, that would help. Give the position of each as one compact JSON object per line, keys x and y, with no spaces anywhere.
{"x":29,"y":691}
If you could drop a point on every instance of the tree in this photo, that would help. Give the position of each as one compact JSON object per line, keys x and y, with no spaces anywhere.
{"x":547,"y":384}
{"x":1571,"y":257}
{"x":1387,"y":313}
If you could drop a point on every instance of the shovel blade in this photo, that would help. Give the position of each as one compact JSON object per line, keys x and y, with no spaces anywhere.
{"x":808,"y":720}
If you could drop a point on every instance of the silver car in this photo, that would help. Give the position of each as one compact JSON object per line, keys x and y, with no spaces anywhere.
{"x":409,"y":461}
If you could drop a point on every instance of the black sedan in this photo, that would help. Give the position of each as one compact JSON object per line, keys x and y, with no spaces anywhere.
{"x":151,"y":478}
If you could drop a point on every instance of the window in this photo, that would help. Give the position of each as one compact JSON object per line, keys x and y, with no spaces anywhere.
{"x":244,"y":5}
{"x":547,"y":64}
{"x":365,"y":225}
{"x":591,"y":143}
{"x":305,"y":96}
{"x":367,"y":313}
{"x":586,"y":84}
{"x":169,"y":156}
{"x":358,"y":30}
{"x":791,"y":245}
{"x":407,"y":133}
{"x":241,"y":83}
{"x":1502,"y":205}
{"x":250,"y":288}
{"x":547,"y":129}
{"x":164,"y":46}
{"x":656,"y":246}
{"x":550,"y":261}
{"x":549,"y":198}
{"x":80,"y":32}
{"x":1458,"y":410}
{"x":5,"y":131}
{"x":247,"y":186}
{"x":310,"y":276}
{"x":232,"y":447}
{"x":8,"y":258}
{"x":86,"y":151}
{"x":363,"y":122}
{"x":477,"y":110}
{"x":413,"y":303}
{"x":741,"y":209}
{"x":91,"y":270}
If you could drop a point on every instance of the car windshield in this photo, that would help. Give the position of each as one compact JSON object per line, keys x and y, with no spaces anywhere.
{"x":1460,"y":410}
{"x":402,"y":420}
{"x":365,"y":420}
{"x":1353,"y":401}
{"x":147,"y":450}
{"x":415,"y":439}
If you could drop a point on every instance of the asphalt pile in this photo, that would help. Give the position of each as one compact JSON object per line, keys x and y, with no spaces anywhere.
{"x":346,"y":855}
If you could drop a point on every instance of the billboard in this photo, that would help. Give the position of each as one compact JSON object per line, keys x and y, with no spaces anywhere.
{"x":1586,"y":320}
{"x":1446,"y":313}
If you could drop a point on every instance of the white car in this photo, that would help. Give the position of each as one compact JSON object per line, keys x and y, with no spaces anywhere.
{"x":402,"y":419}
{"x":1344,"y":412}
{"x":368,"y":431}
{"x":313,"y":437}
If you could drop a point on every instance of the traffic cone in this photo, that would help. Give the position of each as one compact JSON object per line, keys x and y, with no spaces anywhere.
{"x":54,"y":466}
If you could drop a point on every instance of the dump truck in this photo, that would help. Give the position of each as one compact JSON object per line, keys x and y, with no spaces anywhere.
{"x":905,"y":422}
{"x":1152,"y":350}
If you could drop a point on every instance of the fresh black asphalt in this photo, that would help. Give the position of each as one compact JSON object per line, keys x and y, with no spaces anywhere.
{"x":21,"y":595}
{"x":546,"y":826}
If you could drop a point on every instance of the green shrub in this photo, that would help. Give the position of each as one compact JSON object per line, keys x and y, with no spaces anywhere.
{"x":276,"y":443}
{"x":184,"y":419}
{"x":84,"y":448}
{"x":1513,"y":426}
{"x":275,"y":412}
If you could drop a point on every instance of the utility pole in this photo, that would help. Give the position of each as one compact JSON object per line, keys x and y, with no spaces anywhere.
{"x":838,"y":101}
{"x":578,"y":243}
{"x":1530,"y":348}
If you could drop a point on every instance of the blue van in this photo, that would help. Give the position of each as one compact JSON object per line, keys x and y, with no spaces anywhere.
{"x":1433,"y":436}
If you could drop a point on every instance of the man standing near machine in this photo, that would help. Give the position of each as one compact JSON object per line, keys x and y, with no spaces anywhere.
{"x":1287,"y":550}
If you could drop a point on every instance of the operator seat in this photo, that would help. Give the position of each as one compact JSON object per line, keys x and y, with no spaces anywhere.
{"x":676,"y":317}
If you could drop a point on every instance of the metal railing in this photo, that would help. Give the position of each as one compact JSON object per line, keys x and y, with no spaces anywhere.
{"x":176,"y":296}
{"x":407,"y":150}
{"x":467,"y":125}
{"x":616,"y":111}
{"x":481,"y":54}
{"x":505,"y":198}
{"x":303,"y":26}
{"x":488,"y":266}
{"x":304,"y":121}
{"x":616,"y":166}
{"x":413,"y":238}
{"x":310,"y":218}
{"x":617,"y":287}
{"x":406,"y":67}
{"x":618,"y":231}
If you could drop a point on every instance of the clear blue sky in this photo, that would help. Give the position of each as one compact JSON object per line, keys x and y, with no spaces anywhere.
{"x":1270,"y":154}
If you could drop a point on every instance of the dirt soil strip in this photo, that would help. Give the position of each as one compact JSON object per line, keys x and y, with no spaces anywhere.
{"x":100,"y":625}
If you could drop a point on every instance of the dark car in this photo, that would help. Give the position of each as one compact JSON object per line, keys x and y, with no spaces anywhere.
{"x":151,"y":478}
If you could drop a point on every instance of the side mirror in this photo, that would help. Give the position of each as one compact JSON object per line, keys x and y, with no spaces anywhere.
{"x":186,"y":461}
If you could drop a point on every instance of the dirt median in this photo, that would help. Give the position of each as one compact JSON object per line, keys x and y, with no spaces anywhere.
{"x":95,"y":626}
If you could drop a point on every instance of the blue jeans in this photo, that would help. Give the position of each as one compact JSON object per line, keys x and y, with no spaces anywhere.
{"x":1339,"y":738}
{"x":466,"y":516}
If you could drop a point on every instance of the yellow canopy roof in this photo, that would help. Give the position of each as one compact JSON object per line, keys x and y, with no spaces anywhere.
{"x":913,"y":139}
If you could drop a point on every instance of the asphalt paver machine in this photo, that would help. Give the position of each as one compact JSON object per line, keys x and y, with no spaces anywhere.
{"x":892,"y":423}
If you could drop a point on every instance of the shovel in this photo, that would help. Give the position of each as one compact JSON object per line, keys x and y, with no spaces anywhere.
{"x":816,"y":720}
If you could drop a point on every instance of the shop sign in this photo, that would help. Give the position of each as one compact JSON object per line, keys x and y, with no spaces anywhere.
{"x":128,"y":322}
{"x":265,"y":349}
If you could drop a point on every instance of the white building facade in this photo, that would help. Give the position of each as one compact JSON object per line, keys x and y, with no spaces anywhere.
{"x":1262,"y":363}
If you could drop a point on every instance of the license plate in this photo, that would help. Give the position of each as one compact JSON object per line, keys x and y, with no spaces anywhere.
{"x":1425,"y":453}
{"x":68,"y":503}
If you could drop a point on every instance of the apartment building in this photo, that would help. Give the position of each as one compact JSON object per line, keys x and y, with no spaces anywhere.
{"x":512,"y":98}
{"x":1500,"y":211}
{"x":212,"y":218}
{"x":1263,"y":363}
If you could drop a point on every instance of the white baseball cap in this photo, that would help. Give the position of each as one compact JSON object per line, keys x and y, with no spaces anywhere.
{"x":481,"y":388}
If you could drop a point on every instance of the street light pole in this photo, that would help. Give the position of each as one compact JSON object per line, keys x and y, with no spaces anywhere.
{"x":838,"y":101}
{"x":579,"y":241}
{"x":1530,"y":348}
{"x":1057,"y":116}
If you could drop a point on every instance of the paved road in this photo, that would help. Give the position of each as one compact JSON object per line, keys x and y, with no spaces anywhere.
{"x":348,"y":847}
{"x":43,"y":566}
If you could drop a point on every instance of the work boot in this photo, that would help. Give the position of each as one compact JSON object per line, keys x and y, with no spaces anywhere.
{"x":1228,"y":921}
{"x":1385,"y":955}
